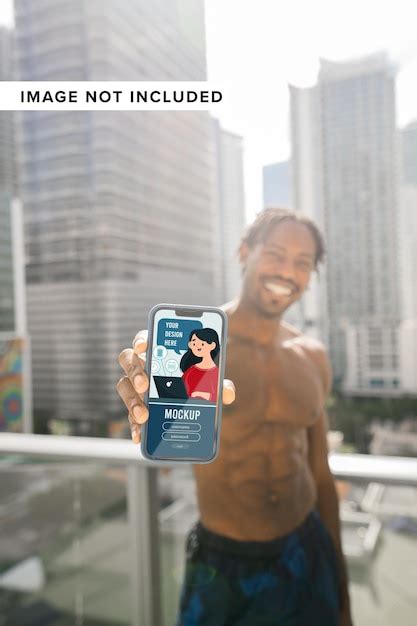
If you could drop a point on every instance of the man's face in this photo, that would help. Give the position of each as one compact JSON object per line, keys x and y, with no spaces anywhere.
{"x":277,"y":270}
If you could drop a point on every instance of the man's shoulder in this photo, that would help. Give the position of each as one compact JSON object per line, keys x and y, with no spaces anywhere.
{"x":311,"y":344}
{"x":314,"y":349}
{"x":290,"y":330}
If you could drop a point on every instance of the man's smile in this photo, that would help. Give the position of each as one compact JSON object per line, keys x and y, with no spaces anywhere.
{"x":278,"y":288}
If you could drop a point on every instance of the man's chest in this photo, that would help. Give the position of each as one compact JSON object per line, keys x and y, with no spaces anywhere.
{"x":281,"y":386}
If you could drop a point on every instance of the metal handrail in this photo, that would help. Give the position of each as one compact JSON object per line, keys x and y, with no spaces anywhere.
{"x":74,"y":448}
{"x":355,"y":467}
{"x":391,"y":470}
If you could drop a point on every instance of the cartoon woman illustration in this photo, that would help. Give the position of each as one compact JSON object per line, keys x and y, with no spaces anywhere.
{"x":200,"y":364}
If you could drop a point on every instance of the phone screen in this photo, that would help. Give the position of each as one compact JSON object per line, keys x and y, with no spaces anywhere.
{"x":186,"y":361}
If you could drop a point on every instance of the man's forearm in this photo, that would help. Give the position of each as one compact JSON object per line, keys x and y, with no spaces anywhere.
{"x":328,"y":507}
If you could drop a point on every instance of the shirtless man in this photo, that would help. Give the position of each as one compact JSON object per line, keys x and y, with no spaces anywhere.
{"x":267,"y":548}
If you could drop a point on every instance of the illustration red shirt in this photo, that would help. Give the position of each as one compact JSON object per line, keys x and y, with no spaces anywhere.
{"x":197,"y":379}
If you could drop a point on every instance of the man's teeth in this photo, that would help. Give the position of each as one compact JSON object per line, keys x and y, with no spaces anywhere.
{"x":278,"y":290}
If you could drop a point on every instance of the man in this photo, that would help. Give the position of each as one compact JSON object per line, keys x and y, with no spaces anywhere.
{"x":267,"y":547}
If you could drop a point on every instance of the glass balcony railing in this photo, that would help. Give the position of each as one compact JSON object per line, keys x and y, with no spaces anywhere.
{"x":78,"y":539}
{"x":378,"y":510}
{"x":93,"y":535}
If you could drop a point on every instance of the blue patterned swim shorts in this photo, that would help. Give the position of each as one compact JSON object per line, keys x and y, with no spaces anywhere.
{"x":289,"y":581}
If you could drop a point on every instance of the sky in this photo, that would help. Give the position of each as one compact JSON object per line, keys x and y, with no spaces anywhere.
{"x":257,"y":47}
{"x":263,"y":45}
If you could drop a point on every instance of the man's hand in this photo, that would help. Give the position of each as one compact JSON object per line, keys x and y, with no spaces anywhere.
{"x":132,"y":387}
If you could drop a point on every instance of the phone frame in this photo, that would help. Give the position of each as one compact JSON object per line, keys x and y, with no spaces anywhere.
{"x":222,"y":363}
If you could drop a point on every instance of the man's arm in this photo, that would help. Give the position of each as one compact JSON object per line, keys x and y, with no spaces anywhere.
{"x":327,"y":500}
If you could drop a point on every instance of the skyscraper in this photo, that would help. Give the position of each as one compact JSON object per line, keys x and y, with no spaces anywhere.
{"x":408,"y":257}
{"x":118,"y":205}
{"x":7,"y":143}
{"x":276,"y":185}
{"x":349,"y":169}
{"x":408,"y":143}
{"x":230,"y":212}
{"x":310,"y":313}
{"x":408,"y":220}
{"x":15,"y":385}
{"x":7,"y":187}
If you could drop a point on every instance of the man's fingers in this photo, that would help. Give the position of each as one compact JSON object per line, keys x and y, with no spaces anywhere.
{"x":140,"y":342}
{"x":132,"y":400}
{"x":134,"y":429}
{"x":229,"y":392}
{"x":133,"y":367}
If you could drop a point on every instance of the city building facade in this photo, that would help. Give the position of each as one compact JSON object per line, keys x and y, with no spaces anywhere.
{"x":230,"y":208}
{"x":346,"y":173}
{"x":310,"y":314}
{"x":408,"y":257}
{"x":118,"y":204}
{"x":15,"y":378}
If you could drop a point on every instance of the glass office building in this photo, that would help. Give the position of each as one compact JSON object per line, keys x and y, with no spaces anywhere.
{"x":345,"y":176}
{"x":118,"y":205}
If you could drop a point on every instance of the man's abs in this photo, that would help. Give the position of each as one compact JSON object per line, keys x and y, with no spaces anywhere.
{"x":260,"y":486}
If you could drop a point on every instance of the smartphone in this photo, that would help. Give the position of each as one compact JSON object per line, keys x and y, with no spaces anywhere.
{"x":185,"y":365}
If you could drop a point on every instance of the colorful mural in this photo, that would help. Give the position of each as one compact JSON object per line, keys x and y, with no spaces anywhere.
{"x":11,"y":385}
